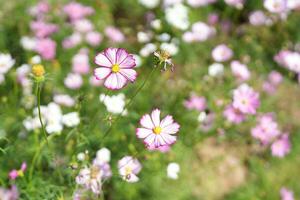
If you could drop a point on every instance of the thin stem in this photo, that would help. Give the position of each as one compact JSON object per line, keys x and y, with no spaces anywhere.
{"x":39,"y":111}
{"x":128,"y":104}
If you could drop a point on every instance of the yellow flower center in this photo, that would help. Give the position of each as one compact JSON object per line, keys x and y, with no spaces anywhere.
{"x":38,"y":70}
{"x":128,"y":170}
{"x":115,"y":68}
{"x":157,"y":130}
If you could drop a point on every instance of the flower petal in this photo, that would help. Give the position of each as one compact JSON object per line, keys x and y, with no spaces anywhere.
{"x":102,"y":60}
{"x":149,"y":140}
{"x":143,"y":132}
{"x":171,"y":129}
{"x":147,"y":122}
{"x":121,"y":55}
{"x":166,"y":121}
{"x":155,"y":117}
{"x":169,"y":139}
{"x":111,"y":54}
{"x":101,"y":72}
{"x":128,"y":62}
{"x":130,"y":74}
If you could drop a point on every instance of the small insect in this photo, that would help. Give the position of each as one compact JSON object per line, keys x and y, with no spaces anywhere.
{"x":164,"y":58}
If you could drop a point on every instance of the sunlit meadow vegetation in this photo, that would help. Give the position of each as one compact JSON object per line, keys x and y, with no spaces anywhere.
{"x":149,"y":99}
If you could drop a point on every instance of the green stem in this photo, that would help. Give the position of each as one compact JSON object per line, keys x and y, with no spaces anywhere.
{"x":39,"y":110}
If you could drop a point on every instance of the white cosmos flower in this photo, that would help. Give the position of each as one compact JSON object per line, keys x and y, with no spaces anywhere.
{"x":28,"y":43}
{"x":102,"y":156}
{"x":177,"y":16}
{"x":172,"y":170}
{"x":71,"y":119}
{"x":64,"y":100}
{"x":216,"y":69}
{"x":149,"y":3}
{"x":114,"y":104}
{"x":6,"y":62}
{"x":148,"y":49}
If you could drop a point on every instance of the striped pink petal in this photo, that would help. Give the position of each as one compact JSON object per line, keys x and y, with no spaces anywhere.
{"x":166,"y":121}
{"x":121,"y":55}
{"x":130,"y":74}
{"x":147,"y":122}
{"x":155,"y":115}
{"x":111,"y":54}
{"x":143,"y":132}
{"x":171,"y":129}
{"x":102,"y":60}
{"x":128,"y":63}
{"x":115,"y":81}
{"x":101,"y":72}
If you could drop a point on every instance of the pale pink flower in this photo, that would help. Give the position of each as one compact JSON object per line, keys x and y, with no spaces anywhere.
{"x":233,"y":115}
{"x":198,"y":3}
{"x":46,"y":48}
{"x":235,"y":3}
{"x":275,"y":78}
{"x":162,"y":149}
{"x":195,"y":102}
{"x":64,"y":100}
{"x":286,"y":194}
{"x":116,"y":67}
{"x":222,"y":53}
{"x":156,"y":132}
{"x":93,"y":38}
{"x":72,"y":41}
{"x":129,"y":167}
{"x":213,"y":18}
{"x":281,"y":147}
{"x":73,"y":81}
{"x":240,"y":71}
{"x":83,"y":25}
{"x":76,"y":11}
{"x":246,"y":99}
{"x":13,"y":174}
{"x":276,"y":6}
{"x":257,"y":18}
{"x":42,"y":29}
{"x":266,"y":129}
{"x":114,"y":34}
{"x":80,"y":62}
{"x":9,"y":194}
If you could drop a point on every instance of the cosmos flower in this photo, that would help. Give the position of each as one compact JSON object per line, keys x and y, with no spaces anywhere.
{"x":73,"y":81}
{"x":13,"y":174}
{"x":281,"y":147}
{"x":114,"y":34}
{"x":6,"y":62}
{"x":286,"y":194}
{"x":245,"y":99}
{"x":80,"y":62}
{"x":173,"y":170}
{"x":149,"y":4}
{"x":177,"y":16}
{"x":90,"y":178}
{"x":116,"y":67}
{"x":195,"y":102}
{"x":46,"y":48}
{"x":71,"y":119}
{"x":64,"y":100}
{"x":156,"y":132}
{"x":221,"y":53}
{"x":9,"y":194}
{"x":258,"y":18}
{"x":76,"y":11}
{"x":275,"y":6}
{"x":233,"y":115}
{"x":235,"y":3}
{"x":216,"y":70}
{"x":114,"y":104}
{"x":240,"y":71}
{"x":129,"y":167}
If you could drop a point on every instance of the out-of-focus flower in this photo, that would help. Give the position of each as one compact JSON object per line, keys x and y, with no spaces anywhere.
{"x":9,"y":194}
{"x":93,"y":38}
{"x":90,"y":178}
{"x":216,"y":70}
{"x":266,"y":129}
{"x":222,"y":53}
{"x":276,"y":6}
{"x":246,"y":99}
{"x":95,"y":82}
{"x":13,"y":174}
{"x":28,"y":43}
{"x":149,"y":4}
{"x":72,"y":41}
{"x":271,"y":84}
{"x":240,"y":71}
{"x":202,"y":32}
{"x":207,"y":121}
{"x":198,"y":3}
{"x":116,"y":67}
{"x":195,"y":102}
{"x":156,"y":24}
{"x":171,"y":2}
{"x":76,"y":11}
{"x":233,"y":115}
{"x":282,"y":146}
{"x":64,"y":100}
{"x":114,"y":34}
{"x":257,"y":18}
{"x":73,"y":81}
{"x":129,"y":167}
{"x":46,"y":48}
{"x":102,"y":155}
{"x":6,"y":63}
{"x":42,"y":29}
{"x":143,"y":37}
{"x":148,"y":49}
{"x":83,"y":26}
{"x":293,"y":4}
{"x":177,"y":16}
{"x":114,"y":104}
{"x":38,"y":72}
{"x":286,"y":194}
{"x":156,"y":132}
{"x":80,"y":62}
{"x":71,"y":119}
{"x":170,"y":48}
{"x":172,"y":170}
{"x":239,"y":4}
{"x":289,"y":59}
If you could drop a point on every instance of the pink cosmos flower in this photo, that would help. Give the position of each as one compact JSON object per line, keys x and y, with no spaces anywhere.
{"x":289,"y":60}
{"x":114,"y":34}
{"x":80,"y":62}
{"x":73,"y":81}
{"x":235,"y":3}
{"x":233,"y":115}
{"x":195,"y":102}
{"x":286,"y":194}
{"x":266,"y":130}
{"x":116,"y":67}
{"x":281,"y":147}
{"x":77,"y":11}
{"x":276,"y":6}
{"x":72,"y":40}
{"x":240,"y":71}
{"x":222,"y":53}
{"x":257,"y":18}
{"x":156,"y":132}
{"x":13,"y":174}
{"x":93,"y":38}
{"x":129,"y":167}
{"x":42,"y":29}
{"x":9,"y":194}
{"x":275,"y":78}
{"x":246,"y":99}
{"x":46,"y":48}
{"x":162,"y":149}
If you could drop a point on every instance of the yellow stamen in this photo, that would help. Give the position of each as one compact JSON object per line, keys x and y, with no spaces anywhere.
{"x":157,"y":130}
{"x":115,"y":68}
{"x":38,"y":70}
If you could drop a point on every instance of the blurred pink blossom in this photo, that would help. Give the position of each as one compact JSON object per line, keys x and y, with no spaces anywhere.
{"x":195,"y":102}
{"x":286,"y":194}
{"x":76,"y":11}
{"x":281,"y":147}
{"x":46,"y":48}
{"x":114,"y":34}
{"x":222,"y":53}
